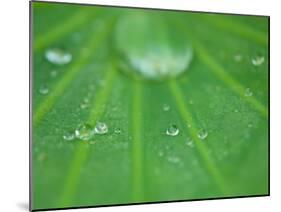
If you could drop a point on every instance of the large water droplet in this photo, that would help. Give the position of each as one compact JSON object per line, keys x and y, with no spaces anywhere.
{"x":43,"y":89}
{"x":172,"y":130}
{"x":248,"y":92}
{"x":258,"y":60}
{"x":84,"y":132}
{"x":101,"y":128}
{"x":202,"y":134}
{"x":58,"y":56}
{"x":149,"y":48}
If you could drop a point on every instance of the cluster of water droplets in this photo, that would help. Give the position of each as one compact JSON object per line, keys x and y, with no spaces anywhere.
{"x":86,"y":132}
{"x":256,"y":60}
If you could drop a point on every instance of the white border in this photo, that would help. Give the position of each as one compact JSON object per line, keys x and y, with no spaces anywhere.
{"x":14,"y":87}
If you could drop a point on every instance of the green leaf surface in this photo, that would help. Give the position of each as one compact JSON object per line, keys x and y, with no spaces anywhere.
{"x":136,"y":161}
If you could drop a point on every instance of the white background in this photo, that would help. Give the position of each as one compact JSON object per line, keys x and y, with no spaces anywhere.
{"x":14,"y":90}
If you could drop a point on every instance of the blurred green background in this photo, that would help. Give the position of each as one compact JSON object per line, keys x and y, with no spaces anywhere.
{"x":81,"y":74}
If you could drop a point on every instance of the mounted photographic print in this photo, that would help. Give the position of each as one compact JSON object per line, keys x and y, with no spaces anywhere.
{"x":138,"y":105}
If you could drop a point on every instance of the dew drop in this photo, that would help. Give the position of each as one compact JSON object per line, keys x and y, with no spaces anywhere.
{"x":166,"y":107}
{"x":258,"y":60}
{"x":248,"y":92}
{"x":173,"y":159}
{"x":238,"y":58}
{"x":142,"y":49}
{"x":202,"y":134}
{"x":68,"y":136}
{"x":172,"y":130}
{"x":83,"y":105}
{"x":43,"y":89}
{"x":53,"y":73}
{"x":250,"y":125}
{"x":189,"y":142}
{"x":86,"y":100}
{"x":117,"y":131}
{"x":84,"y":132}
{"x":58,"y":56}
{"x":101,"y":128}
{"x":161,"y":154}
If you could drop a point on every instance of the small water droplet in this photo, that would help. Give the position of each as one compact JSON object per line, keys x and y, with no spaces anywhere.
{"x":236,"y":110}
{"x":86,"y":100}
{"x":250,"y":125}
{"x":117,"y":131}
{"x":258,"y":60}
{"x":161,"y":153}
{"x":84,"y":132}
{"x":69,"y":136}
{"x":189,"y":142}
{"x":58,"y":56}
{"x":188,"y":125}
{"x":191,"y":102}
{"x":83,"y":105}
{"x":173,"y":159}
{"x":43,"y":89}
{"x":202,"y":134}
{"x":53,"y":73}
{"x":248,"y":92}
{"x":101,"y":128}
{"x":238,"y":57}
{"x":172,"y":130}
{"x":166,"y":107}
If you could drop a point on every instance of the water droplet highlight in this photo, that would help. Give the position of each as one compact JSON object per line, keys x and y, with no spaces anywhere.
{"x":148,"y":48}
{"x":101,"y":128}
{"x":84,"y":132}
{"x":248,"y":92}
{"x":202,"y":134}
{"x":172,"y":130}
{"x":58,"y":56}
{"x":43,"y":89}
{"x":258,"y":60}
